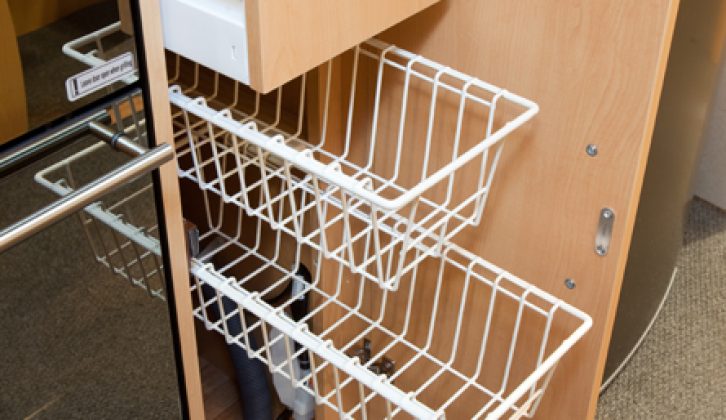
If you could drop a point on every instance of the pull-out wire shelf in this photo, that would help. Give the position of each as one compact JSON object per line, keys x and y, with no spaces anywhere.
{"x":279,"y":190}
{"x":428,"y":328}
{"x":468,"y":339}
{"x":393,"y":178}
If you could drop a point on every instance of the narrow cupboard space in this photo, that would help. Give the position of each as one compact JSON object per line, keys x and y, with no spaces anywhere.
{"x":257,"y":209}
{"x":308,"y":234}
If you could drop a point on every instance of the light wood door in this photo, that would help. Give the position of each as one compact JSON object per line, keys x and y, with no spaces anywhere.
{"x":596,"y":69}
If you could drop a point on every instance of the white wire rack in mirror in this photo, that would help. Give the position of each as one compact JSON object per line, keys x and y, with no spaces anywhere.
{"x":121,"y":230}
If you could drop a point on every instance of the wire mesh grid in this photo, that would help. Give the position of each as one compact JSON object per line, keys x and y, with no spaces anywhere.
{"x":121,"y":230}
{"x":304,"y":201}
{"x":409,"y":167}
{"x":462,"y":306}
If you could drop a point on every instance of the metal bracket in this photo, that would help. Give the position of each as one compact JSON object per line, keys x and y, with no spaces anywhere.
{"x":117,"y":140}
{"x":364,"y":353}
{"x":384,"y":366}
{"x":192,"y":238}
{"x":604,"y":231}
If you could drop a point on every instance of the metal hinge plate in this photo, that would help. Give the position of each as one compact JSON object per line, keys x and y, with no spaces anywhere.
{"x":604,"y":231}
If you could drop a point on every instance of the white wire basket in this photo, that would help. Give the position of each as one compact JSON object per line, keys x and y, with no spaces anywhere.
{"x":389,"y":186}
{"x":465,"y":338}
{"x":121,"y":229}
{"x":281,"y":187}
{"x":461,"y":337}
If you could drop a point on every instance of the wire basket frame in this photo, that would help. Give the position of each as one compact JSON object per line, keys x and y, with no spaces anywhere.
{"x":395,"y":178}
{"x":92,"y":49}
{"x":367,"y":218}
{"x":121,"y":232}
{"x":460,"y":337}
{"x":484,"y":343}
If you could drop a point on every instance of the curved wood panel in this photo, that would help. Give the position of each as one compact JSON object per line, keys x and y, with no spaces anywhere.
{"x":13,"y":109}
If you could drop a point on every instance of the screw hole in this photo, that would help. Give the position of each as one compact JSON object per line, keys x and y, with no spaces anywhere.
{"x":591,"y":150}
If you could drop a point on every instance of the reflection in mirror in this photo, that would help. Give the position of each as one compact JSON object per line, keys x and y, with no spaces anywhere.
{"x":41,"y":46}
{"x":85,"y":323}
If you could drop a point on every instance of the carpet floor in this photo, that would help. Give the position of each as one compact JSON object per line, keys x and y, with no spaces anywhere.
{"x":77,"y":340}
{"x":680,"y":370}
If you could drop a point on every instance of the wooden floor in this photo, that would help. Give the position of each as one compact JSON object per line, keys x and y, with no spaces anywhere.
{"x":221,"y":399}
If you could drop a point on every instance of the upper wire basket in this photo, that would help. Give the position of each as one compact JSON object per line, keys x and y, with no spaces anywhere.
{"x":389,"y":151}
{"x":94,"y":49}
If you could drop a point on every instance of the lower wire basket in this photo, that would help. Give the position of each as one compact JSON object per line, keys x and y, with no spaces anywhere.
{"x":461,"y":338}
{"x":130,"y":252}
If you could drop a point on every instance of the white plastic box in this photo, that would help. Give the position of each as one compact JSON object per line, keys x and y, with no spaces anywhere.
{"x":213,"y":32}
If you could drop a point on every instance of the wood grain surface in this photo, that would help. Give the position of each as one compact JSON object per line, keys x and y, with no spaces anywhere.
{"x":176,"y":236}
{"x":596,"y":70}
{"x":288,"y":37}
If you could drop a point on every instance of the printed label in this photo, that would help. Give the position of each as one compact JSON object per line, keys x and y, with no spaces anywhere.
{"x":99,"y":77}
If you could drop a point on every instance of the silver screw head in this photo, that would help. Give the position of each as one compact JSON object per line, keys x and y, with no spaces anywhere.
{"x":600,"y":250}
{"x":591,"y":150}
{"x":569,"y":283}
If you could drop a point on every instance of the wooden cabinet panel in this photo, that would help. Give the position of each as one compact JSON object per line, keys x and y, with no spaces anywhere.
{"x":265,"y":43}
{"x":289,"y":37}
{"x":596,"y":70}
{"x":158,"y":99}
{"x":13,"y":112}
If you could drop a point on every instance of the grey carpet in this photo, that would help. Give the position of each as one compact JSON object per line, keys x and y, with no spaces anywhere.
{"x":77,"y":341}
{"x":680,"y":370}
